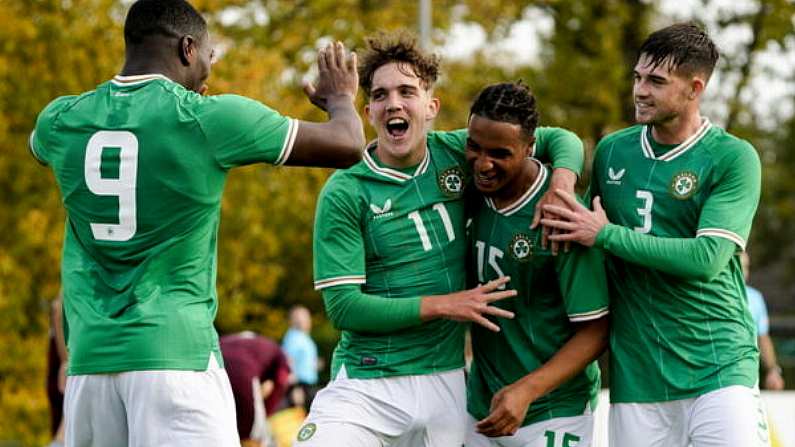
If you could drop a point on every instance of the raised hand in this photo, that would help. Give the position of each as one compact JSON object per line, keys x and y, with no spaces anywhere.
{"x":337,"y":76}
{"x":470,"y":305}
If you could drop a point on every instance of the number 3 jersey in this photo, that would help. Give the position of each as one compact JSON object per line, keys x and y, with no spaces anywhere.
{"x":674,"y":337}
{"x":401,"y":234}
{"x":553,"y":294}
{"x":141,"y":164}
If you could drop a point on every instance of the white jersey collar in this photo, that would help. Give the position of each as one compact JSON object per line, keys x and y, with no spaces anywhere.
{"x":680,"y":149}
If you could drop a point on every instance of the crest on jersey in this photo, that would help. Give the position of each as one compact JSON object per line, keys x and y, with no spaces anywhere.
{"x":521,"y":247}
{"x":382,"y":211}
{"x":684,"y":185}
{"x":614,"y":177}
{"x":451,"y":181}
{"x":306,"y":431}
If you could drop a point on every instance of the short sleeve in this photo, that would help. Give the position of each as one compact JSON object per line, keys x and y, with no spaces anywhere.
{"x":561,"y":147}
{"x":583,"y":283}
{"x":338,"y":243}
{"x":729,"y":210}
{"x":39,"y":140}
{"x":242,"y":131}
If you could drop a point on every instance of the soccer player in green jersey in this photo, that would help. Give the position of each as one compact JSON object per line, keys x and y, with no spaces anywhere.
{"x":141,"y":163}
{"x":389,"y":248}
{"x":535,"y":382}
{"x":674,"y":199}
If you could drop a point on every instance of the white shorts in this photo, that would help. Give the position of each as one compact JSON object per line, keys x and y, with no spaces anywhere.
{"x":729,"y":417}
{"x":151,"y":408}
{"x":574,"y":431}
{"x":408,"y":411}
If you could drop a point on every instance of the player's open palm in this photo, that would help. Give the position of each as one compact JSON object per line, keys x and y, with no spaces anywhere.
{"x":508,"y":409}
{"x":470,"y":305}
{"x":337,"y":76}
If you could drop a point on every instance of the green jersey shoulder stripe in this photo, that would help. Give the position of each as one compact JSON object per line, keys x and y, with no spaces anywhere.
{"x":679,"y":149}
{"x":292,"y":129}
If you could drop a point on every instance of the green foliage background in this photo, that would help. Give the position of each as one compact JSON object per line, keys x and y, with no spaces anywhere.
{"x":50,"y":48}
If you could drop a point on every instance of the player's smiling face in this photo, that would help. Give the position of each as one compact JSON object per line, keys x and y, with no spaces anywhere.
{"x":400,"y":109}
{"x":660,"y":94}
{"x":497,"y":152}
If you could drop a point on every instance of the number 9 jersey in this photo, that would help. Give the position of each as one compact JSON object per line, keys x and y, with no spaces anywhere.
{"x":141,"y":164}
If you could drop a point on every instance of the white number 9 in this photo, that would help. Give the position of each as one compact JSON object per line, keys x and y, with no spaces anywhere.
{"x":122,"y":187}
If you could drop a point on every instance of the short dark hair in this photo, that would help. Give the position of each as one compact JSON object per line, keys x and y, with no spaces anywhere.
{"x":685,"y":47}
{"x":400,"y":47}
{"x":508,"y":102}
{"x":168,"y":18}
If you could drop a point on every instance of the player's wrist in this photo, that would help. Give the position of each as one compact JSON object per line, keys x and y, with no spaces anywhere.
{"x":775,"y":369}
{"x":563,"y":178}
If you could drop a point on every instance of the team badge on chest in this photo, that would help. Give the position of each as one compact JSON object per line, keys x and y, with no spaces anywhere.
{"x":521,"y":247}
{"x":451,"y":181}
{"x":684,"y":185}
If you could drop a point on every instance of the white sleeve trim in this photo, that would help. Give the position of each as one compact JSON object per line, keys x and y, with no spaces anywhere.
{"x":289,"y":141}
{"x":32,"y":148}
{"x":720,"y":232}
{"x":340,"y":280}
{"x":588,"y":316}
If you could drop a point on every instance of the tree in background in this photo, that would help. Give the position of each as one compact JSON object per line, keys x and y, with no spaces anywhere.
{"x":50,"y":48}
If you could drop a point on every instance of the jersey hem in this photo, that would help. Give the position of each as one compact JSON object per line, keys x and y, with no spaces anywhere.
{"x":151,"y":365}
{"x":352,"y":373}
{"x":680,"y":396}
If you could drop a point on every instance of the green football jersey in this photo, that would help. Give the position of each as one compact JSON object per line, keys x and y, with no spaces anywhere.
{"x":673,"y":337}
{"x":141,"y":164}
{"x":400,"y":234}
{"x":552,"y":293}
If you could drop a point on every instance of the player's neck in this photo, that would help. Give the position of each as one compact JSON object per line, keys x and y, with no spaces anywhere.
{"x":678,"y":129}
{"x":412,"y":158}
{"x":511,"y":192}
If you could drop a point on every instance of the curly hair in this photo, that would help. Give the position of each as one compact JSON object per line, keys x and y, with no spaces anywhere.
{"x":509,"y":102}
{"x":684,"y":47}
{"x":400,"y":47}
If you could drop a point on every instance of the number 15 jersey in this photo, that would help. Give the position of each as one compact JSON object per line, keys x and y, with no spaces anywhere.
{"x":141,"y":163}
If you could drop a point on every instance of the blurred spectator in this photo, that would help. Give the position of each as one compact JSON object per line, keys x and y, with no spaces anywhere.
{"x":301,"y":350}
{"x":57,"y":361}
{"x":259,"y":374}
{"x":772,"y":377}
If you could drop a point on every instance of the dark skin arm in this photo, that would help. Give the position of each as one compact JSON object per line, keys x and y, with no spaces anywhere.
{"x":338,"y":142}
{"x":509,"y":406}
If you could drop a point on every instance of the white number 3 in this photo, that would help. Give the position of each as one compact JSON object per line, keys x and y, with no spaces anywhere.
{"x":122,"y":187}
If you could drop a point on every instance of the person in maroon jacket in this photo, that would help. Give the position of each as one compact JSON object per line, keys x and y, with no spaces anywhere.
{"x":259,"y":374}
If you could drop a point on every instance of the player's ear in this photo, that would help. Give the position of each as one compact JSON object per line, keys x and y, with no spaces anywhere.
{"x":187,"y":49}
{"x":433,"y":108}
{"x":697,"y":86}
{"x":529,"y":146}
